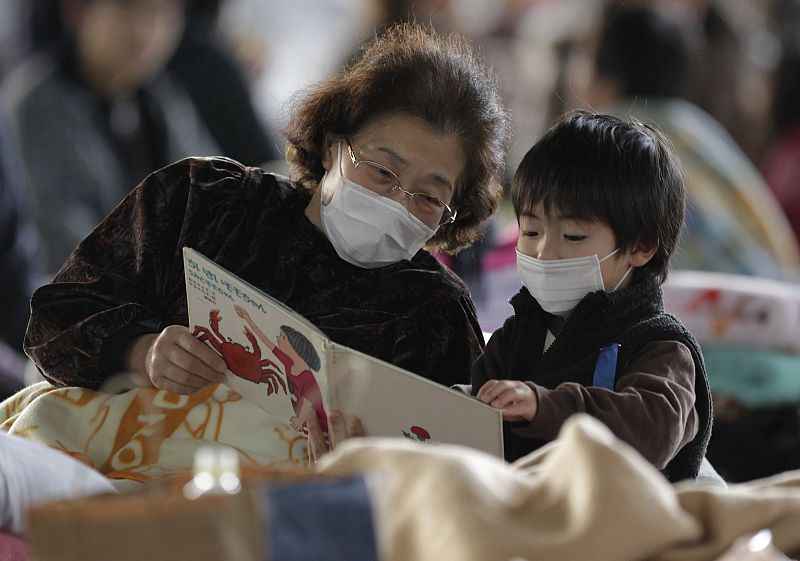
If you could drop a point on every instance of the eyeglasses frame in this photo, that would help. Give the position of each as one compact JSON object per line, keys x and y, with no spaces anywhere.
{"x":398,"y":186}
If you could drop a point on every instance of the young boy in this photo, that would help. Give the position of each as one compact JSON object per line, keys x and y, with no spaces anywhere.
{"x":600,"y":205}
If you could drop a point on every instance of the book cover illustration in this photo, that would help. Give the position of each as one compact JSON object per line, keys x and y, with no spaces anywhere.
{"x":288,"y":367}
{"x":273,"y":359}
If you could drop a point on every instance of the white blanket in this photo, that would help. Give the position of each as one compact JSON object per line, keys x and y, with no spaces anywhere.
{"x":32,"y":474}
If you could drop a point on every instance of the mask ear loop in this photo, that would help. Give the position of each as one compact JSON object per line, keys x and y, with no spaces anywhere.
{"x":327,"y":185}
{"x":341,"y":169}
{"x":610,"y":254}
{"x":616,"y":286}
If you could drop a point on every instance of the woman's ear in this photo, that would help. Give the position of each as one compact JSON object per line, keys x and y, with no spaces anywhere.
{"x":329,"y":153}
{"x":641,"y":254}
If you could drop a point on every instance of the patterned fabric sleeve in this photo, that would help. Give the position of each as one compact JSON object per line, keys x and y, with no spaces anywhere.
{"x":462,"y":345}
{"x":126,"y":278}
{"x":120,"y":281}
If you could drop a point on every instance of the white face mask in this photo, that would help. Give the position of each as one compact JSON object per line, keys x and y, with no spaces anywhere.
{"x":366,"y":229}
{"x":559,"y":284}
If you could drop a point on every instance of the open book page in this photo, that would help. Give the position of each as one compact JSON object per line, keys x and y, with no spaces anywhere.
{"x":391,"y":401}
{"x":285,"y":365}
{"x":275,"y":357}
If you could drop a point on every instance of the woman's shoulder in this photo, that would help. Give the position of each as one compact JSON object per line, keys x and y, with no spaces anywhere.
{"x":219,"y":175}
{"x":435,"y":275}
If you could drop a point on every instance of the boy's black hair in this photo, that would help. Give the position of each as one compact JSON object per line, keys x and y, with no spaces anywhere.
{"x":302,"y":346}
{"x":600,"y":168}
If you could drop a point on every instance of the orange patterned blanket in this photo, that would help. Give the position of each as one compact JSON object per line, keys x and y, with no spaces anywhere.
{"x":144,"y":433}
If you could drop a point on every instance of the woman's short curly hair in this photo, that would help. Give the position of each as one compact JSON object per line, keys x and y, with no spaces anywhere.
{"x":413,"y":70}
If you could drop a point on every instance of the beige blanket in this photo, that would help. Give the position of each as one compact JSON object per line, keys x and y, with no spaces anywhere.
{"x":146,"y":433}
{"x":588,"y":497}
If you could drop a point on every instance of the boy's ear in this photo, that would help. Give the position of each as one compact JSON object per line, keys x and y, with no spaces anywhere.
{"x":641,"y":254}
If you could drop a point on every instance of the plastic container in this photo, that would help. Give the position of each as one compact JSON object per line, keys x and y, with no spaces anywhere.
{"x":216,"y":472}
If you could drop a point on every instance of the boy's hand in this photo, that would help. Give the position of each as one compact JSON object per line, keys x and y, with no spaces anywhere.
{"x":340,"y":428}
{"x":516,"y":400}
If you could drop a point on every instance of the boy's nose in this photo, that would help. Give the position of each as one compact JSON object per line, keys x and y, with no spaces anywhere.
{"x":545,"y":249}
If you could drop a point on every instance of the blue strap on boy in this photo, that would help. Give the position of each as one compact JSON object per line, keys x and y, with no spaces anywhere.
{"x":605,"y":370}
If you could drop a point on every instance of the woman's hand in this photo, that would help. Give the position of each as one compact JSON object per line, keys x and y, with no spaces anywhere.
{"x":516,"y":400}
{"x":340,"y":428}
{"x":174,"y":360}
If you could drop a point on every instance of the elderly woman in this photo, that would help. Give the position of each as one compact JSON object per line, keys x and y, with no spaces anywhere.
{"x":404,"y":150}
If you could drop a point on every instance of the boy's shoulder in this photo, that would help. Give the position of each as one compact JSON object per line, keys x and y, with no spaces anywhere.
{"x":661,"y":326}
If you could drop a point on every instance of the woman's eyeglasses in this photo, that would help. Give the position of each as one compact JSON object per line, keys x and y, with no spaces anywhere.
{"x":383,"y":181}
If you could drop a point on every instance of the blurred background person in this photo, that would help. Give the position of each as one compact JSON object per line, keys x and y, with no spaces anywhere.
{"x":219,"y":87}
{"x":641,"y":64}
{"x":14,"y":36}
{"x":288,"y":45}
{"x":19,"y":266}
{"x":729,"y":77}
{"x":95,"y":112}
{"x":781,"y":160}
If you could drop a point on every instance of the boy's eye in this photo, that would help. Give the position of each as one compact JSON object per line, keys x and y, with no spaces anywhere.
{"x":574,"y":238}
{"x":530,"y":233}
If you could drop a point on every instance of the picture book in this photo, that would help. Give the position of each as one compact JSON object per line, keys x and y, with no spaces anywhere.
{"x":287,"y":366}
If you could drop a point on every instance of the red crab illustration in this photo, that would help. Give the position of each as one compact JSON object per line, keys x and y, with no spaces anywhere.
{"x":241,"y":361}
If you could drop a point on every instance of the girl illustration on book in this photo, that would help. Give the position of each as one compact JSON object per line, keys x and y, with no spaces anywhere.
{"x":300,"y":360}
